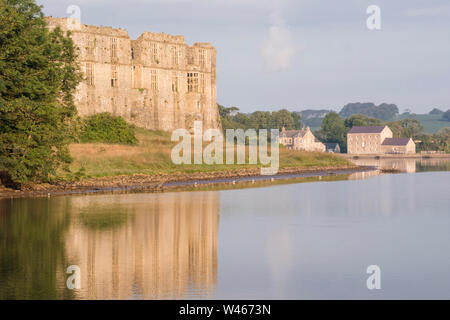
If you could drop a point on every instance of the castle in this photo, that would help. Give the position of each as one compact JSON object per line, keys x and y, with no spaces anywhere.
{"x":156,"y":82}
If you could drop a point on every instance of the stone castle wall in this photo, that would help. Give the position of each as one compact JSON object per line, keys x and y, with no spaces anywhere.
{"x":156,"y":82}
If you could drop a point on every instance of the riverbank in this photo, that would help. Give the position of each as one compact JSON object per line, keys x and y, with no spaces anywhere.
{"x":165,"y":182}
{"x":152,"y":156}
{"x":147,"y":166}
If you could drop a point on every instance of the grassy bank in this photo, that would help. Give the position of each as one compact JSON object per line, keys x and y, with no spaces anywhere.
{"x":152,"y":156}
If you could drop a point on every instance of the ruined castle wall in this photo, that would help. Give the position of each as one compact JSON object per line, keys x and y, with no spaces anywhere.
{"x":156,"y":82}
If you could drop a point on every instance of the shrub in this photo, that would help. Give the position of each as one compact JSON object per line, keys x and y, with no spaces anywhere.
{"x":106,"y":128}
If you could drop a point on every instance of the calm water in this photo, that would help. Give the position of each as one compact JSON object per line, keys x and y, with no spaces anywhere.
{"x":292,"y":241}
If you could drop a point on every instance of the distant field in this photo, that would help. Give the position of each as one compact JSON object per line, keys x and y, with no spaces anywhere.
{"x":431,"y":122}
{"x":153,"y":156}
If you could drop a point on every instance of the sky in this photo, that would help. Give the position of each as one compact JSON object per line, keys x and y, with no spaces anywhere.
{"x":301,"y":54}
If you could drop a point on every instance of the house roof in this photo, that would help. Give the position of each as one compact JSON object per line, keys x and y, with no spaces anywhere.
{"x":395,"y":141}
{"x":331,"y":145}
{"x":292,"y":133}
{"x":368,"y":129}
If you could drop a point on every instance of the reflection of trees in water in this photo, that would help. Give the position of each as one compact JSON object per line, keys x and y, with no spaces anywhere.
{"x":168,"y":249}
{"x":103,"y":219}
{"x":32,"y":250}
{"x":433,"y":165}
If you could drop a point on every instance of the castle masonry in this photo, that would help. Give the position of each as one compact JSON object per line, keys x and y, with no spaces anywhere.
{"x":157,"y":81}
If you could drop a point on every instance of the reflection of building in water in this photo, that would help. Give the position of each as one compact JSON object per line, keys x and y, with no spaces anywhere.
{"x":363,"y":175}
{"x":155,"y":246}
{"x":402,"y":165}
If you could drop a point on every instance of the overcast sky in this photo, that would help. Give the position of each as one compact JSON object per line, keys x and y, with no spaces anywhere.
{"x":301,"y":54}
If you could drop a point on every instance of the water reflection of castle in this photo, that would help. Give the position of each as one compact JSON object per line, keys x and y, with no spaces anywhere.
{"x":157,"y":246}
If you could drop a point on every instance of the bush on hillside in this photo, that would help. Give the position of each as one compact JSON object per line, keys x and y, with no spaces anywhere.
{"x":106,"y":128}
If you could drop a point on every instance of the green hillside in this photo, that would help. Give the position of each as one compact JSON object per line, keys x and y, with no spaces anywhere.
{"x":432,"y":122}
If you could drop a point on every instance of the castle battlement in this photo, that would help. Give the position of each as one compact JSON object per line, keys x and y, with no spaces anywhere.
{"x":161,"y":37}
{"x":203,"y":45}
{"x":156,"y":81}
{"x":75,"y":25}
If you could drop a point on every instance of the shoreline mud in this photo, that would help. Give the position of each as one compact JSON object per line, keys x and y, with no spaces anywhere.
{"x":161,"y":183}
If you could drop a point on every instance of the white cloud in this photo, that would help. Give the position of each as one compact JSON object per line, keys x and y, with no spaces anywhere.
{"x":279,"y":47}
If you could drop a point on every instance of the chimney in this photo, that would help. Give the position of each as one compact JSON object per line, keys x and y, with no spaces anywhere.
{"x":308,"y":128}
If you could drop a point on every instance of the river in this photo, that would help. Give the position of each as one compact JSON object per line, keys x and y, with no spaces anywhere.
{"x":299,"y":239}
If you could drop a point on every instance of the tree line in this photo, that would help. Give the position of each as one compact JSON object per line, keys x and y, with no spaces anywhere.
{"x":384,"y":111}
{"x":233,"y":119}
{"x":334,"y":128}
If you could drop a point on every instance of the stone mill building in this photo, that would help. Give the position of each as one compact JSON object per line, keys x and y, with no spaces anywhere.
{"x":377,"y":140}
{"x":156,"y":82}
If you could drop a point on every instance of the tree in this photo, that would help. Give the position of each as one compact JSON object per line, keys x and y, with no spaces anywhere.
{"x":436,"y":111}
{"x":282,"y":118}
{"x":442,"y":137}
{"x":297,"y":120}
{"x":242,"y":119}
{"x":259,"y":120}
{"x":446,"y":115}
{"x":38,"y":76}
{"x":224,"y":112}
{"x":333,"y":130}
{"x":410,"y":128}
{"x":361,"y":120}
{"x":439,"y":141}
{"x":384,"y":111}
